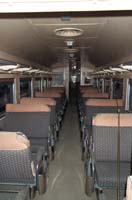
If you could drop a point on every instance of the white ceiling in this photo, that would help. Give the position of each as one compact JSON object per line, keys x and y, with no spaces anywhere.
{"x":17,"y":6}
{"x":105,"y":39}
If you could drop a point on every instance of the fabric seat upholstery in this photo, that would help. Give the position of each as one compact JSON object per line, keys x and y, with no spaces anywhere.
{"x":105,"y":131}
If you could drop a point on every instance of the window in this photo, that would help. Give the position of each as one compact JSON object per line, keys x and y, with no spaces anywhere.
{"x":25,"y":90}
{"x":6,"y":93}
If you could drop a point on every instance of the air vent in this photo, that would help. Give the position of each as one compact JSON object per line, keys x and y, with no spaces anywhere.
{"x":68,"y":32}
{"x":66,"y":18}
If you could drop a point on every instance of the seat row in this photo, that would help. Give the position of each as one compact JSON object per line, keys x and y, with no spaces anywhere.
{"x":106,"y":142}
{"x":90,"y":101}
{"x":29,"y":132}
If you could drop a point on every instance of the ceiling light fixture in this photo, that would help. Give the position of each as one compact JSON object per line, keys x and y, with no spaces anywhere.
{"x":117,"y":69}
{"x":68,"y":32}
{"x":108,"y":70}
{"x":22,"y":69}
{"x":33,"y":70}
{"x":42,"y":72}
{"x":69,"y":42}
{"x":99,"y":72}
{"x":126,"y":67}
{"x":74,"y":67}
{"x":8,"y":67}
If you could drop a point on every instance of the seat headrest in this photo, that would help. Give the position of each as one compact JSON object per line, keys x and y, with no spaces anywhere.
{"x":50,"y":94}
{"x":45,"y":101}
{"x":97,"y":95}
{"x":104,"y":102}
{"x":27,"y":108}
{"x":111,"y":120}
{"x":13,"y":141}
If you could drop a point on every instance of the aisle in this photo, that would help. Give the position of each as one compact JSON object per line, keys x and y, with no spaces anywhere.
{"x":66,"y":174}
{"x":66,"y":171}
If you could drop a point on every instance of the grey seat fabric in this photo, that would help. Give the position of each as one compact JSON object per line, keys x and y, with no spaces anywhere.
{"x":57,"y":98}
{"x":57,"y":112}
{"x":107,"y":174}
{"x":84,"y":111}
{"x":51,"y":103}
{"x":91,"y":111}
{"x":15,"y":167}
{"x":44,"y":101}
{"x":8,"y":196}
{"x":105,"y":143}
{"x":38,"y":141}
{"x":105,"y":130}
{"x":11,"y":196}
{"x":34,"y":125}
{"x":19,"y":168}
{"x":84,"y":99}
{"x":52,"y":119}
{"x":93,"y":107}
{"x":17,"y":171}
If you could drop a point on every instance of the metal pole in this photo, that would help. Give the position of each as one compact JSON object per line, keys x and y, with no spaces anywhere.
{"x":126,"y":94}
{"x":111,"y":88}
{"x":32,"y":87}
{"x":47,"y":82}
{"x":118,"y":152}
{"x":16,"y":89}
{"x":66,"y":78}
{"x":41,"y":84}
{"x":103,"y":85}
{"x":97,"y":81}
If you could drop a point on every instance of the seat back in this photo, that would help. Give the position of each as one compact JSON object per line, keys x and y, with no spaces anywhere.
{"x":44,"y":101}
{"x":89,"y":90}
{"x":94,"y":106}
{"x":105,"y":131}
{"x":33,"y":120}
{"x":57,"y":89}
{"x":16,"y":167}
{"x":48,"y":94}
{"x":51,"y":94}
{"x":95,"y":95}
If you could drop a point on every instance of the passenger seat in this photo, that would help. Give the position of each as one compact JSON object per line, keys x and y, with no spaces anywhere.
{"x":20,"y":176}
{"x":103,"y":155}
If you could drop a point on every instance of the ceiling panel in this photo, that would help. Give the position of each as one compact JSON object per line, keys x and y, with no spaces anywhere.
{"x":105,"y":39}
{"x":67,"y":19}
{"x":114,"y":40}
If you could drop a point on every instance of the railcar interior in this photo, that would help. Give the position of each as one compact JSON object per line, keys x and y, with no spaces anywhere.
{"x":66,"y":100}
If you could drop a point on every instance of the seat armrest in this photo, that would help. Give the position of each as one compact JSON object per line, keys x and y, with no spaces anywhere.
{"x":42,"y":163}
{"x":41,"y":171}
{"x":89,"y":168}
{"x":2,"y":123}
{"x":89,"y":178}
{"x":40,"y":154}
